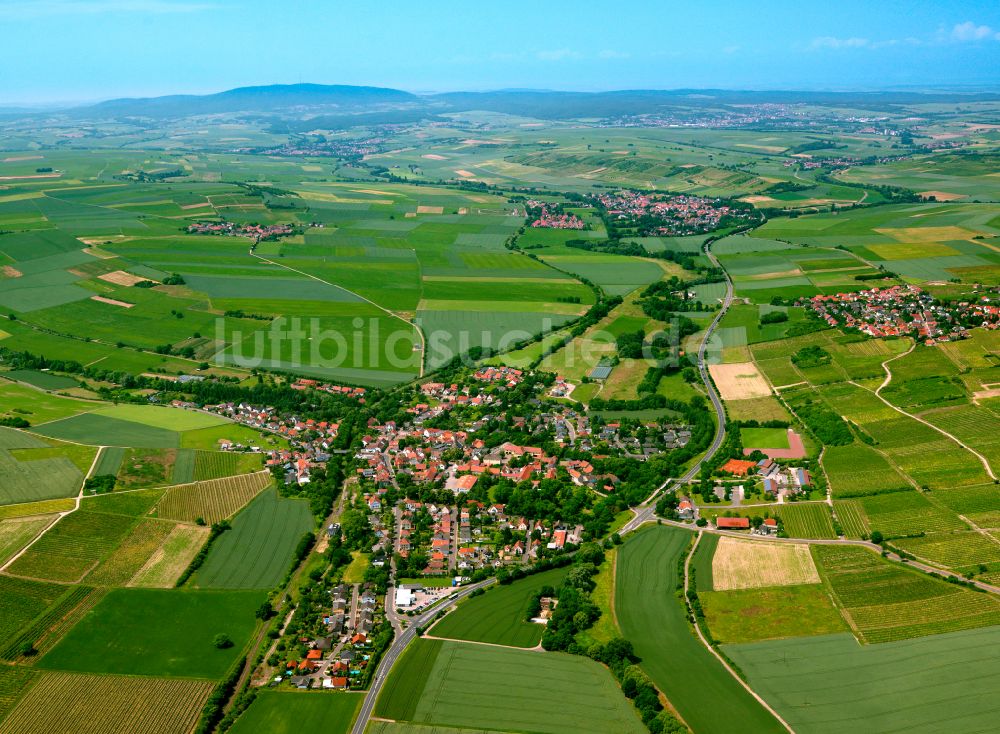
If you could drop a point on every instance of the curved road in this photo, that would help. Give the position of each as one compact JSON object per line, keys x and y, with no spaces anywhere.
{"x":399,"y":645}
{"x":646,"y":512}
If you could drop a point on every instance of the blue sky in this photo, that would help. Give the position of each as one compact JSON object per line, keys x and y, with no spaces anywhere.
{"x":79,"y":50}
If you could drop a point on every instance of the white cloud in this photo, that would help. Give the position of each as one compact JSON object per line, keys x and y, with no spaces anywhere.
{"x":969,"y":31}
{"x":20,"y":9}
{"x":560,"y":54}
{"x":612,"y":54}
{"x":836,"y":43}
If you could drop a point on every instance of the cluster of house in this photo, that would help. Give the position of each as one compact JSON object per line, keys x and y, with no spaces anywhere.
{"x":256,"y":232}
{"x":310,"y":440}
{"x":500,"y":374}
{"x":670,"y":215}
{"x":774,"y":115}
{"x":357,"y":148}
{"x":460,"y":539}
{"x":441,"y":552}
{"x":548,"y":216}
{"x":906,"y":310}
{"x":339,"y":656}
{"x":354,"y":392}
{"x":777,"y":479}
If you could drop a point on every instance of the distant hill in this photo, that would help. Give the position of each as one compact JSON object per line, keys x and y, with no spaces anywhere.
{"x":272,"y":98}
{"x":343,"y":105}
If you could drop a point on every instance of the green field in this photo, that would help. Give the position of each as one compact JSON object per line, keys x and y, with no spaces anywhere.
{"x":830,"y":684}
{"x":104,"y":430}
{"x":29,"y":475}
{"x":457,"y":684}
{"x":652,"y":617}
{"x":35,"y":406}
{"x":256,"y":553}
{"x":158,"y":632}
{"x":498,"y":616}
{"x":764,"y":438}
{"x":44,"y":380}
{"x":288,"y":712}
{"x":748,"y":615}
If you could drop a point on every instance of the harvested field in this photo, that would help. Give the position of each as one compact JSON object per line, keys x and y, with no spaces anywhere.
{"x":430,"y":210}
{"x":112,"y":301}
{"x":748,"y":564}
{"x":942,"y":195}
{"x":739,"y":381}
{"x":211,"y":500}
{"x":120,"y":277}
{"x":99,"y":704}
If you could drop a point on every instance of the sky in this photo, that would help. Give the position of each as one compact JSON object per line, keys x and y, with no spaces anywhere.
{"x":88,"y":50}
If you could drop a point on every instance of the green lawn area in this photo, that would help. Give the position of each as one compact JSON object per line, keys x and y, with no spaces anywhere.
{"x":158,"y":632}
{"x":290,"y":712}
{"x":748,"y":615}
{"x":653,"y":618}
{"x":764,"y":438}
{"x":498,"y":616}
{"x":355,"y":571}
{"x":456,"y":684}
{"x":831,"y":684}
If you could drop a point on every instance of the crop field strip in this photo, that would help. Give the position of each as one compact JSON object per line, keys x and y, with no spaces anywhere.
{"x":256,"y":552}
{"x":72,"y":547}
{"x":98,"y":704}
{"x":22,"y":601}
{"x":27,"y":479}
{"x":885,"y":602}
{"x":211,"y":500}
{"x":554,"y":692}
{"x":653,"y":618}
{"x":830,"y":684}
{"x":146,"y":537}
{"x":168,"y":561}
{"x":48,"y":628}
{"x":16,"y":533}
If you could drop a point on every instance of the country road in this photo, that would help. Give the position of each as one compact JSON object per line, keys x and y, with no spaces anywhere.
{"x":398,"y":647}
{"x":647,"y":510}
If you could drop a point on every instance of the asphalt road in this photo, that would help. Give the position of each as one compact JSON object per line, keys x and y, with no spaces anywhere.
{"x":646,"y":512}
{"x":398,"y":647}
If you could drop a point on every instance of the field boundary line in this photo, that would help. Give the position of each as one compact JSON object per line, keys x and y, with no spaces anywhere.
{"x":78,"y":499}
{"x":536,"y":648}
{"x":415,"y":327}
{"x":711,"y":649}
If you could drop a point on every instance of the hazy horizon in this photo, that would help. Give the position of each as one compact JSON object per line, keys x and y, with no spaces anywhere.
{"x":104,"y":49}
